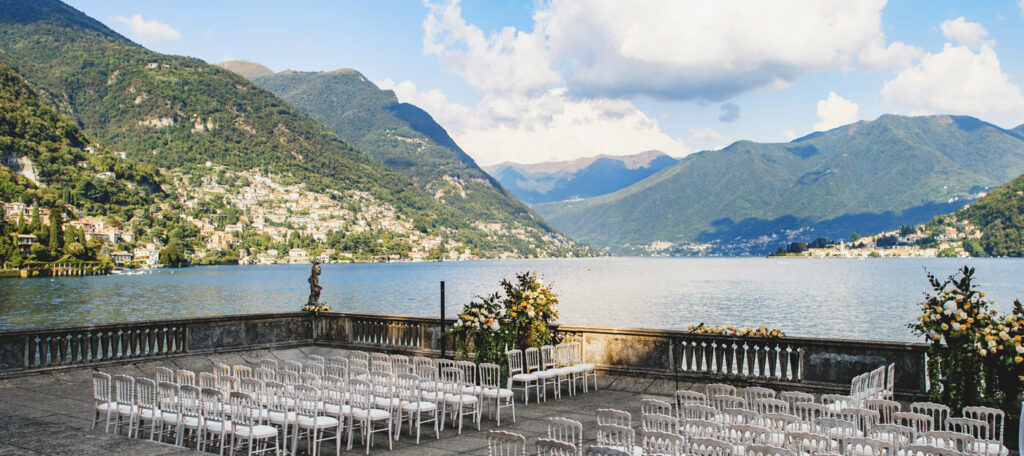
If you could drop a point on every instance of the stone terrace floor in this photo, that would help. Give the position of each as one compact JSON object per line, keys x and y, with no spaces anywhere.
{"x":51,"y":413}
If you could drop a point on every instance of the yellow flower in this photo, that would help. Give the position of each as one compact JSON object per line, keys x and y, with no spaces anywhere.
{"x":1018,"y":359}
{"x":945,"y":327}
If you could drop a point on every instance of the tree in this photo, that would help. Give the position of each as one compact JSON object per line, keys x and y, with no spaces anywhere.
{"x":56,"y":236}
{"x":854,"y":237}
{"x":906,"y":229}
{"x":35,"y":223}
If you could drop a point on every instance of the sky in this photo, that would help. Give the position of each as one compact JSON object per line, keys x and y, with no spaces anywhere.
{"x":550,"y":80}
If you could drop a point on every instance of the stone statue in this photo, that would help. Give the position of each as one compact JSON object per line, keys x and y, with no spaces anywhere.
{"x":314,"y":285}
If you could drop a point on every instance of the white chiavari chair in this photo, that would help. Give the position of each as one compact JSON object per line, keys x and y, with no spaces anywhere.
{"x":502,"y":443}
{"x":102,"y":399}
{"x":414,"y":406}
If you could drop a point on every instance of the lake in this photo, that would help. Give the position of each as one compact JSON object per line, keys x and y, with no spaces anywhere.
{"x":846,"y":298}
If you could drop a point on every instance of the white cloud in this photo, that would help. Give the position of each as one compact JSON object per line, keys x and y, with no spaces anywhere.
{"x":706,"y":135}
{"x":151,"y":31}
{"x":835,"y":111}
{"x":611,"y":48}
{"x":508,"y":61}
{"x":957,"y":81}
{"x":970,"y":34}
{"x":789,"y":134}
{"x":542,"y":127}
{"x":896,"y":56}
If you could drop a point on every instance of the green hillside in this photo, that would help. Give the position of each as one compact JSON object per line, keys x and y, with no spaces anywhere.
{"x":1000,"y":216}
{"x":864,"y":177}
{"x":180,"y":113}
{"x":405,"y":138}
{"x":46,"y":166}
{"x":44,"y":159}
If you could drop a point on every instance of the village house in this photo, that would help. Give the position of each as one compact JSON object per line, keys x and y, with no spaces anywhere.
{"x":120,"y":258}
{"x":24,"y":242}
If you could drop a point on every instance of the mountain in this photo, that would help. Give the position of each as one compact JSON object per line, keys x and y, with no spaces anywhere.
{"x":1000,"y":217}
{"x":181,"y":113}
{"x":580,"y":178}
{"x":1019,"y":130}
{"x":869,"y":176}
{"x":46,"y":158}
{"x":245,"y":68}
{"x":408,"y":140}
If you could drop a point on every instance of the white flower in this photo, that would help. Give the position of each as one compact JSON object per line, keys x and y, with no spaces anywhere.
{"x":458,"y":323}
{"x":949,"y":307}
{"x":531,"y":313}
{"x":1020,"y":349}
{"x":495,"y":326}
{"x":956,"y":326}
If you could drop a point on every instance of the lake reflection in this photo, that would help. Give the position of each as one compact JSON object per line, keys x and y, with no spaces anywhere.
{"x":868,"y":299}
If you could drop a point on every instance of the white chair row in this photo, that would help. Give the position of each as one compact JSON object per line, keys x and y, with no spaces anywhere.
{"x":550,"y":365}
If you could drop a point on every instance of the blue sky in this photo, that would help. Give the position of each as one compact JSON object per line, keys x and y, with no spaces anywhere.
{"x":552,"y":80}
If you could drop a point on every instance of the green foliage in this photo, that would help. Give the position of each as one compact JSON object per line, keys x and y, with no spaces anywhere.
{"x":519,"y":316}
{"x":1000,"y":216}
{"x":975,"y":354}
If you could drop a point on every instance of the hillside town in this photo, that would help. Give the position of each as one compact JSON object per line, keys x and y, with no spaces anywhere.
{"x":951,"y":238}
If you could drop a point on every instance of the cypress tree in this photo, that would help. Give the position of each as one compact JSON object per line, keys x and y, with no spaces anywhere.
{"x":35,"y":223}
{"x":56,"y":236}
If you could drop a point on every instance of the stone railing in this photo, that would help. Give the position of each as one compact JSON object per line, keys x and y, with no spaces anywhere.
{"x":805,"y":363}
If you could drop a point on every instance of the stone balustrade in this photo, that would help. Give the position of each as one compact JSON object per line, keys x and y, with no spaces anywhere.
{"x":822,"y":365}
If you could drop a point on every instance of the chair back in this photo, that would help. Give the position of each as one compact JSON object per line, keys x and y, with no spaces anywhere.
{"x":515,"y":362}
{"x":684,"y":397}
{"x":704,"y":429}
{"x":381,"y":366}
{"x":974,"y":428}
{"x":547,"y":357}
{"x":708,"y":447}
{"x":355,"y":363}
{"x":168,"y":396}
{"x":792,"y":397}
{"x":361,"y":393}
{"x":291,"y":365}
{"x":551,"y":447}
{"x":616,"y":436}
{"x":102,"y":387}
{"x":190,"y":401}
{"x":490,"y":376}
{"x":860,"y":446}
{"x":314,"y":368}
{"x":563,"y":355}
{"x":407,"y":388}
{"x":146,"y":395}
{"x":662,"y":443}
{"x":503,"y":443}
{"x":956,"y":441}
{"x":884,"y":407}
{"x":221,"y":369}
{"x":835,"y":428}
{"x":532,"y":355}
{"x":207,"y":380}
{"x":697,"y":412}
{"x":810,"y":443}
{"x":358,"y":355}
{"x":242,"y":405}
{"x":746,"y":434}
{"x":310,"y":379}
{"x":419,"y":361}
{"x":898,"y":436}
{"x":754,"y":393}
{"x":379,"y":357}
{"x":719,"y":389}
{"x":338,"y":361}
{"x":779,"y":422}
{"x":938,"y":412}
{"x":336,"y":370}
{"x":315,"y":359}
{"x":164,"y":374}
{"x":124,"y":389}
{"x":659,"y":423}
{"x":736,"y":415}
{"x":566,"y":430}
{"x":810,"y":411}
{"x":613,"y":416}
{"x":240,"y":371}
{"x":995,"y":419}
{"x":469,"y":377}
{"x":920,"y":423}
{"x":722,"y":402}
{"x":212,"y":404}
{"x":651,"y":405}
{"x":264,"y":374}
{"x":185,"y":377}
{"x":271,"y":364}
{"x":307,"y":401}
{"x":768,"y":405}
{"x":252,"y":386}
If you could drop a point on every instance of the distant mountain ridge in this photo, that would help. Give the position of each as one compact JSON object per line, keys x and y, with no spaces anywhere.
{"x":869,"y":176}
{"x":579,"y":178}
{"x":181,"y":113}
{"x":246,"y":68}
{"x":408,"y":140}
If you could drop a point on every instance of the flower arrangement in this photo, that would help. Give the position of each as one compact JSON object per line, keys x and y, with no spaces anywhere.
{"x":518,"y":316}
{"x":760,"y":331}
{"x":976,"y":354}
{"x":317,"y":309}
